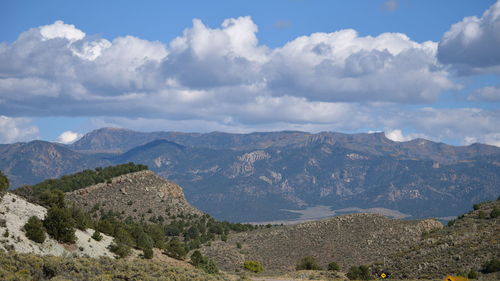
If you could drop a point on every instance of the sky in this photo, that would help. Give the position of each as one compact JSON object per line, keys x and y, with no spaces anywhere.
{"x":411,"y":68}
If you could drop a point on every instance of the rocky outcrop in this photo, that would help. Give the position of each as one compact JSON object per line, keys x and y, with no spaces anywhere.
{"x":15,"y":212}
{"x":140,"y":195}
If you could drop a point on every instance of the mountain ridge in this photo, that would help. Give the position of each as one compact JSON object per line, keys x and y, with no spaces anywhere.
{"x":257,"y":176}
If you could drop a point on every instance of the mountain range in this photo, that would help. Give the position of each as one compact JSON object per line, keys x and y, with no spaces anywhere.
{"x":281,"y":175}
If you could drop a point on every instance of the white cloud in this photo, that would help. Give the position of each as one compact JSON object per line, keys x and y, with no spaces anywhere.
{"x":223,"y":79}
{"x":491,"y":93}
{"x":17,"y":129}
{"x":473,"y":45}
{"x":397,"y":135}
{"x":464,"y":125}
{"x":342,"y":66}
{"x":61,"y":30}
{"x":68,"y":137}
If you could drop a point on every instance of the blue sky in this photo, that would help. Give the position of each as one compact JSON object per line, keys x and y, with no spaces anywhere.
{"x":349,"y":66}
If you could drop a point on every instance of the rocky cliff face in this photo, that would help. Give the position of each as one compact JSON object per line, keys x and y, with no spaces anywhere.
{"x":140,"y":195}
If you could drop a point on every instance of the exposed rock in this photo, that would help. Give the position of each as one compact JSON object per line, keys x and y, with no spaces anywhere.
{"x":139,"y":195}
{"x":16,"y":211}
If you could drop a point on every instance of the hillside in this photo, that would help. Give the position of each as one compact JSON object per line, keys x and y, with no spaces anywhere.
{"x":140,"y":195}
{"x":15,"y":212}
{"x":30,"y":163}
{"x":349,"y":240}
{"x":467,"y":244}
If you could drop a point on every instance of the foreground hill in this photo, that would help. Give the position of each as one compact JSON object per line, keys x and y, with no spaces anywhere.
{"x":141,"y":195}
{"x":15,"y":212}
{"x":349,"y":240}
{"x":262,"y":176}
{"x":467,"y":244}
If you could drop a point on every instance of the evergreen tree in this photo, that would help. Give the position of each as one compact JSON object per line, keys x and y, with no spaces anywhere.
{"x":60,"y":225}
{"x":34,"y":229}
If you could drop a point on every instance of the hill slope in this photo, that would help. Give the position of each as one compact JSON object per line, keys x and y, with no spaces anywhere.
{"x":468,"y":244}
{"x":15,"y":212}
{"x":348,"y":240}
{"x":146,"y":193}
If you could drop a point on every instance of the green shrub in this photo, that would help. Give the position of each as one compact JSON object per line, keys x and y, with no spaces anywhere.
{"x":482,"y":214}
{"x":361,"y":272}
{"x":209,"y":267}
{"x":4,"y":182}
{"x":333,"y":266}
{"x":120,"y":249}
{"x":175,"y":249}
{"x":451,"y":222}
{"x":308,"y":263}
{"x":472,"y":274}
{"x":97,"y":236}
{"x":60,"y":225}
{"x":52,"y":198}
{"x":495,"y":213}
{"x":476,"y":207}
{"x":34,"y":229}
{"x":253,"y":266}
{"x":81,"y":218}
{"x":148,"y":253}
{"x":197,"y":258}
{"x":492,"y":266}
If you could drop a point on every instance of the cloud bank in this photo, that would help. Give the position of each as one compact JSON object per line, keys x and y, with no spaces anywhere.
{"x":473,"y":45}
{"x":223,"y":79}
{"x":16,"y":130}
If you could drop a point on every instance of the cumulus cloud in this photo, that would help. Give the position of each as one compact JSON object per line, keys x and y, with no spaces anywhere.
{"x":68,"y":137}
{"x":342,"y":66}
{"x":224,"y":79}
{"x":440,"y":124}
{"x":397,"y":135}
{"x":473,"y":45}
{"x":17,"y":129}
{"x":491,"y":93}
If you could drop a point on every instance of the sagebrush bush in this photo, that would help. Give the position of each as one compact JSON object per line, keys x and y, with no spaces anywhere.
{"x":148,"y":253}
{"x":361,"y":272}
{"x":472,"y":274}
{"x":308,"y":263}
{"x":253,"y":266}
{"x":492,"y":266}
{"x":333,"y":266}
{"x":15,"y":266}
{"x":495,"y":213}
{"x":34,"y":230}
